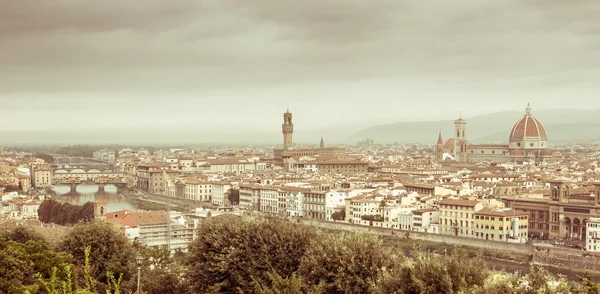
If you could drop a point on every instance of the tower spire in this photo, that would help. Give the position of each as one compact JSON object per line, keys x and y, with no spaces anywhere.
{"x":288,"y":130}
{"x":440,"y":141}
{"x":322,"y":145}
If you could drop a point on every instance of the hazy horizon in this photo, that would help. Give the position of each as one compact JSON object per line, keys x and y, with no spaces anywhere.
{"x":133,"y":71}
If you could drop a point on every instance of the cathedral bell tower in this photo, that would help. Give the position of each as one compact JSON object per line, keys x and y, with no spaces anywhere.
{"x":288,"y":130}
{"x":460,"y":140}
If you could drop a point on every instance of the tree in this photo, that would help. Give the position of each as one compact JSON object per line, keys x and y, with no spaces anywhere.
{"x":46,"y":157}
{"x":587,"y":285}
{"x":233,"y":254}
{"x":161,"y":273}
{"x":370,"y":217}
{"x":51,"y":211}
{"x":20,"y":262}
{"x":339,"y":215}
{"x":346,"y":263}
{"x":14,"y":189}
{"x":279,"y":285}
{"x":67,"y":284}
{"x":110,"y":251}
{"x":435,"y":273}
{"x":22,"y":234}
{"x":233,"y":196}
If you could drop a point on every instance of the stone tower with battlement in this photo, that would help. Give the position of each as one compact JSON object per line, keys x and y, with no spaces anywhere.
{"x":288,"y":130}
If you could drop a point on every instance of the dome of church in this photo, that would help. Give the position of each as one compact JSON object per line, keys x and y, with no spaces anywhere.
{"x":528,"y":129}
{"x":449,"y":144}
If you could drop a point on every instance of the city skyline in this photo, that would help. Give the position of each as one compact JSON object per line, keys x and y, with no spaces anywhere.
{"x":225,"y":64}
{"x":221,"y":146}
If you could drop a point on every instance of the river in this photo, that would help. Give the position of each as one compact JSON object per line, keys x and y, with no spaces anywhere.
{"x":90,"y":193}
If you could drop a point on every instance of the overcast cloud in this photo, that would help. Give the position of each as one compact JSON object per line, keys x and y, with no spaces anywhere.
{"x":237,"y":64}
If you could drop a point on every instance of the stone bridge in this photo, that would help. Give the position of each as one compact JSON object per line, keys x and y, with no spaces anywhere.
{"x":83,"y":169}
{"x":74,"y":177}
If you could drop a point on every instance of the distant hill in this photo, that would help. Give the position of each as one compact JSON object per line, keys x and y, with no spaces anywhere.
{"x":577,"y":125}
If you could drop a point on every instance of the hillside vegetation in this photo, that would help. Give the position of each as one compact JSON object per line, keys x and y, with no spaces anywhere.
{"x":261,"y":255}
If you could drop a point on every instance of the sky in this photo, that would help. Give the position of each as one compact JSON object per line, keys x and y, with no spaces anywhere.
{"x":236,"y":65}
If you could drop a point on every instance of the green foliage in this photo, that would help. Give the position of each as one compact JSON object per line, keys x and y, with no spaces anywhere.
{"x":55,"y":285}
{"x":78,"y":150}
{"x":161,"y":273}
{"x":375,"y":218}
{"x":279,"y":285}
{"x":232,"y":254}
{"x":52,"y":211}
{"x":261,"y":255}
{"x":110,"y":250}
{"x":233,"y":196}
{"x":347,"y":263}
{"x":428,"y":274}
{"x":22,"y":234}
{"x":435,"y":273}
{"x":339,"y":215}
{"x":20,"y":262}
{"x":46,"y":157}
{"x":18,"y":189}
{"x":66,"y":285}
{"x":588,"y":286}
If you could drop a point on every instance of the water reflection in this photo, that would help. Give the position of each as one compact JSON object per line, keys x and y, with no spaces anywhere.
{"x":90,"y":193}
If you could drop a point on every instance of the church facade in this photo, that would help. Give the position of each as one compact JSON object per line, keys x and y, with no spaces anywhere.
{"x":527,"y":142}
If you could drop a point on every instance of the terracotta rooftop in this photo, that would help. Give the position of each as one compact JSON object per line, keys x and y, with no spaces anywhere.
{"x":460,"y":202}
{"x":500,"y":212}
{"x":146,"y":218}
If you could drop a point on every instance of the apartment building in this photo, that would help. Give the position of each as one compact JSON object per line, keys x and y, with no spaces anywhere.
{"x":143,"y":174}
{"x":151,"y":228}
{"x":422,"y":219}
{"x":235,"y":165}
{"x":105,"y":155}
{"x":501,"y":224}
{"x":343,"y":167}
{"x":361,"y":205}
{"x":334,"y":200}
{"x":198,"y":190}
{"x":457,"y":216}
{"x":282,"y":203}
{"x":592,"y":235}
{"x":220,"y":192}
{"x":42,"y":176}
{"x":250,"y":197}
{"x":187,"y":164}
{"x":269,"y":200}
{"x":158,"y":184}
{"x":420,"y":188}
{"x":295,"y":201}
{"x":315,"y":205}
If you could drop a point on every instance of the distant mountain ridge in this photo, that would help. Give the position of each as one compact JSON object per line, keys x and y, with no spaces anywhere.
{"x":573,"y":125}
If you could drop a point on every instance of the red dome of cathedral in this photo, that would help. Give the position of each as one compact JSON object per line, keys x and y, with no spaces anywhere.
{"x":529,"y":128}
